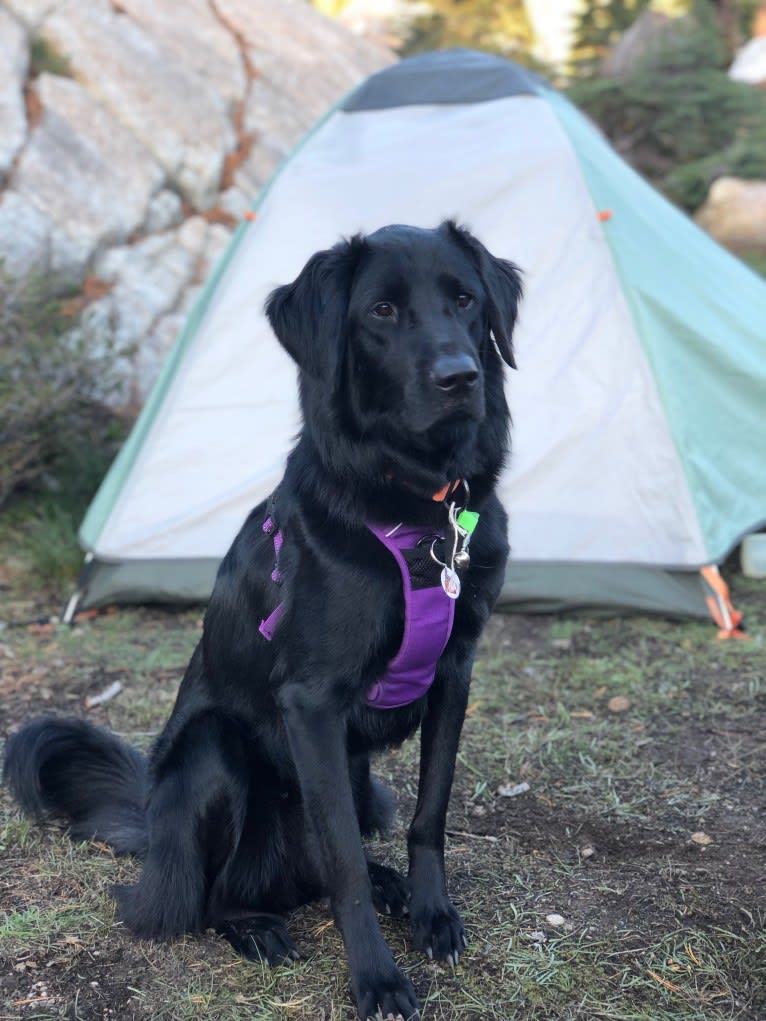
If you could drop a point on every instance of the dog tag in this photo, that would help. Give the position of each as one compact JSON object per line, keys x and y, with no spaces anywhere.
{"x":462,"y":559}
{"x":450,"y":582}
{"x":468,"y":520}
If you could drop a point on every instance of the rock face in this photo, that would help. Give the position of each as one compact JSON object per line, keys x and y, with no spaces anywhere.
{"x":89,"y":176}
{"x":735,"y":213}
{"x":132,"y":139}
{"x":168,"y":107}
{"x":645,"y":34}
{"x":13,"y":71}
{"x":750,"y":62}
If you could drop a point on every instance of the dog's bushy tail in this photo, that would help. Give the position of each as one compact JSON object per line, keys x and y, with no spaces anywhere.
{"x":70,"y":769}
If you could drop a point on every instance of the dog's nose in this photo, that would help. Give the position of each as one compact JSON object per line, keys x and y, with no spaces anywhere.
{"x":453,"y":372}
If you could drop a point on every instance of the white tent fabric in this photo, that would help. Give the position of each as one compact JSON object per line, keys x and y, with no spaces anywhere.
{"x":594,"y":475}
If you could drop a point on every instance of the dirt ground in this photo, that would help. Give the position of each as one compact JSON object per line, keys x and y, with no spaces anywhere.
{"x":607,"y":833}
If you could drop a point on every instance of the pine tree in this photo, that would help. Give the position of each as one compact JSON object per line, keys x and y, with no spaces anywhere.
{"x":497,"y":26}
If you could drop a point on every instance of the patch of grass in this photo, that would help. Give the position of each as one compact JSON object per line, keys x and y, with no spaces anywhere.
{"x":40,"y":523}
{"x":57,"y":432}
{"x":34,"y":927}
{"x":19,"y":833}
{"x":50,"y":544}
{"x":581,"y":753}
{"x":656,"y":927}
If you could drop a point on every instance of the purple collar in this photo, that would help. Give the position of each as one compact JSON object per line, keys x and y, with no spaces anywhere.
{"x":428,"y":613}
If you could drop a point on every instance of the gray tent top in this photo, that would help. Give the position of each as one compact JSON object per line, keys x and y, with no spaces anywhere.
{"x":451,"y":76}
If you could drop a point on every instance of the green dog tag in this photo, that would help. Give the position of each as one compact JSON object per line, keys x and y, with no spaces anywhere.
{"x":468,"y":520}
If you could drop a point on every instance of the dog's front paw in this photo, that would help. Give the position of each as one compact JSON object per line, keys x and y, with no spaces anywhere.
{"x":437,"y":930}
{"x":382,"y":991}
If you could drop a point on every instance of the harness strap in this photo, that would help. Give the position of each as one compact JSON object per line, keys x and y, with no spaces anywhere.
{"x":429,"y":614}
{"x":268,"y":626}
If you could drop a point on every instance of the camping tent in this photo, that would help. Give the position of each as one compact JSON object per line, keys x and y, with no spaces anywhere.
{"x":639,"y":406}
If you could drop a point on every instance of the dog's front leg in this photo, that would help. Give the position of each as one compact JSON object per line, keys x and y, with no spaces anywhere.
{"x":436,"y":926}
{"x":317,"y":740}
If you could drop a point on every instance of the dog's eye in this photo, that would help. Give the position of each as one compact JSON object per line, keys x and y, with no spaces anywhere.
{"x":384,"y":310}
{"x":464,"y":299}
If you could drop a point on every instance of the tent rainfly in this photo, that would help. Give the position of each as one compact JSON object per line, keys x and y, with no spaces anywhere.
{"x":639,"y":406}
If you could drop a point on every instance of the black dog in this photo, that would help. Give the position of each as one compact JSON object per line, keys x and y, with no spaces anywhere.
{"x":321,"y":640}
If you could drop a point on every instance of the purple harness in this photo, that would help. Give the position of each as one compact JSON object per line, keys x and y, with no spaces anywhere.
{"x":428,"y":614}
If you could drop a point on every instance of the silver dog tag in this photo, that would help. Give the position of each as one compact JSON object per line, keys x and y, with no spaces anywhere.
{"x":462,"y":559}
{"x":450,"y":582}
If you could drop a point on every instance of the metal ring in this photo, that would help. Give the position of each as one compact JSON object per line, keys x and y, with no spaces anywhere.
{"x":434,"y":557}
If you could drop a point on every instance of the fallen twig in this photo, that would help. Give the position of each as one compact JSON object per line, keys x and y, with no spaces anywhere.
{"x":108,"y":693}
{"x":472,"y":836}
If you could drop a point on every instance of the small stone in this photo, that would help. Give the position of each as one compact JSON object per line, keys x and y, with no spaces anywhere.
{"x":512,"y":790}
{"x":701,"y":838}
{"x":587,"y":852}
{"x":561,"y":643}
{"x":618,"y":704}
{"x":555,"y":920}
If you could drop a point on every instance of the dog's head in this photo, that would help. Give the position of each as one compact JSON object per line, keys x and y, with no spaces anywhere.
{"x":406,"y":327}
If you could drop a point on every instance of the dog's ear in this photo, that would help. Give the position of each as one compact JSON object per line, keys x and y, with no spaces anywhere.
{"x":308,"y":316}
{"x":502,"y":281}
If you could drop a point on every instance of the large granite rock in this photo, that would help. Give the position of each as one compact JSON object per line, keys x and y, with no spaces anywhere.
{"x":749,"y":65}
{"x":647,"y":33}
{"x":25,"y":236}
{"x":14,"y":61}
{"x":153,"y":284}
{"x":85,"y":172}
{"x":30,"y":12}
{"x":178,"y":117}
{"x":137,"y":116}
{"x":197,"y":40}
{"x":735,"y":214}
{"x":293,"y":81}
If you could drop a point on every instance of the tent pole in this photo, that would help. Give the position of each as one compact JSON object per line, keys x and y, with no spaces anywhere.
{"x":74,"y":600}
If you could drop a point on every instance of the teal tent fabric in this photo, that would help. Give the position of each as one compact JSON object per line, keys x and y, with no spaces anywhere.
{"x":700,"y":315}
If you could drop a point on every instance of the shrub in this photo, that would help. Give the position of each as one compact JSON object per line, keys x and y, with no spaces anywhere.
{"x":679,"y":119}
{"x":479,"y":24}
{"x":56,"y":430}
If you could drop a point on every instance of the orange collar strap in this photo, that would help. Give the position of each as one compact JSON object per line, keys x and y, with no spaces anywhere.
{"x":446,"y":491}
